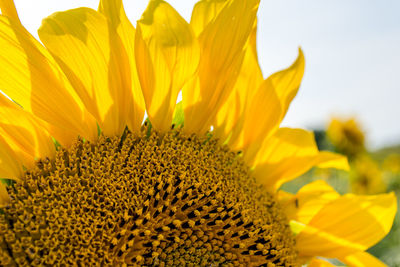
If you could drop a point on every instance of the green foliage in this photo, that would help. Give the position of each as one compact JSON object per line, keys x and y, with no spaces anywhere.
{"x":6,"y":181}
{"x":179,"y":116}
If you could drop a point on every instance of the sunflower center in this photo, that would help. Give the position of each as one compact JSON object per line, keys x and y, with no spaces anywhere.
{"x":168,"y":199}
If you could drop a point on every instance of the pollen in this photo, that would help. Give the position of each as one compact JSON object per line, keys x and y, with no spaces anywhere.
{"x":144,"y":199}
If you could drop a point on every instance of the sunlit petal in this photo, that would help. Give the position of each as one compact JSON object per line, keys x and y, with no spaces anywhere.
{"x":222,"y":54}
{"x":308,"y":201}
{"x":10,"y":162}
{"x":362,"y":259}
{"x":167,"y":56}
{"x":348,"y":225}
{"x":204,"y":12}
{"x":8,"y":9}
{"x":229,"y":120}
{"x":320,"y":263}
{"x":122,"y":40}
{"x":30,"y":76}
{"x":270,"y":101}
{"x":25,"y":133}
{"x":288,"y":154}
{"x":80,"y":41}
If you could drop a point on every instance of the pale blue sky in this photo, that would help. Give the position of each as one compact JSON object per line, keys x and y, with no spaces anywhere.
{"x":352,"y":51}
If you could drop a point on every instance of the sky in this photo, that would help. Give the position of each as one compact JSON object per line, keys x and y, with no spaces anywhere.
{"x":352,"y":51}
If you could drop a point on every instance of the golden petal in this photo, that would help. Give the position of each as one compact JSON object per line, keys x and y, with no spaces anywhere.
{"x":122,"y":39}
{"x":30,"y":76}
{"x":222,"y":54}
{"x":348,"y":225}
{"x":167,"y":55}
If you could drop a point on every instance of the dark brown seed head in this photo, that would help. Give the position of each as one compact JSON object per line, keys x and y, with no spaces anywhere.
{"x":167,"y":200}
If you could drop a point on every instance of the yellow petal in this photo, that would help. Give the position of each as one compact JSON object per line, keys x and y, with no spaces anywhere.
{"x":79,"y":40}
{"x":348,"y":225}
{"x":328,"y":159}
{"x":279,"y":89}
{"x":204,"y":12}
{"x":287,"y":82}
{"x":24,"y":132}
{"x":308,"y":201}
{"x":312,"y":198}
{"x":230,"y":116}
{"x":286,"y":199}
{"x":255,"y":128}
{"x":362,"y":259}
{"x":30,"y":76}
{"x":10,"y":162}
{"x":122,"y":40}
{"x":8,"y":9}
{"x":320,"y":263}
{"x":167,"y":56}
{"x":288,"y":154}
{"x":114,"y":11}
{"x":221,"y":60}
{"x":4,"y":198}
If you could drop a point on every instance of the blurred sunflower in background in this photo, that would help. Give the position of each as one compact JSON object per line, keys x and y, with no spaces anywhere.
{"x":366,"y":177}
{"x":86,"y":182}
{"x":391,"y":163}
{"x":346,"y":136}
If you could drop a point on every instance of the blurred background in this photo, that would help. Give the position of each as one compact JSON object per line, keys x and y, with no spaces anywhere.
{"x":372,"y":171}
{"x":350,"y":92}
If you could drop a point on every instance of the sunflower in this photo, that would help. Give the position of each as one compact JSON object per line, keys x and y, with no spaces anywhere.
{"x":366,"y":177}
{"x":198,"y":182}
{"x":346,"y":136}
{"x":391,"y":163}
